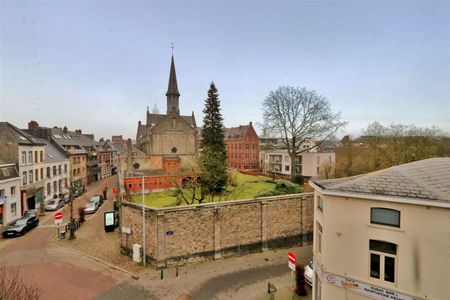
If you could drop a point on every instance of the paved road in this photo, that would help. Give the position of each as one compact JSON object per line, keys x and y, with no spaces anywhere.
{"x":60,"y":272}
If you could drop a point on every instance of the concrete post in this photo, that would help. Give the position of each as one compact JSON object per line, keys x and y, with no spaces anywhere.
{"x":264,"y":226}
{"x":217,"y":217}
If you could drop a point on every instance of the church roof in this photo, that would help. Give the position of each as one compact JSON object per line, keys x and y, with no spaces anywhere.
{"x":172,"y":89}
{"x":153,"y":119}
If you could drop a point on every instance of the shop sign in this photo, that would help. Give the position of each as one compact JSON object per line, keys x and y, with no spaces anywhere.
{"x":366,"y":289}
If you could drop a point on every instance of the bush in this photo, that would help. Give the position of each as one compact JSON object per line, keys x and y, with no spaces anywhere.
{"x":268,"y":193}
{"x":286,"y":187}
{"x":298,"y":179}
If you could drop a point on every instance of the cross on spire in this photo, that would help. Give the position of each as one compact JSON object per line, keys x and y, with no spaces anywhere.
{"x":172,"y":48}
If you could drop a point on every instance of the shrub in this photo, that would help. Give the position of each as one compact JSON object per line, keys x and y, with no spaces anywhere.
{"x":286,"y":187}
{"x":298,"y":179}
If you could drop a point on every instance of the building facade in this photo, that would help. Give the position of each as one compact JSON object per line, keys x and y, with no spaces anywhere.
{"x":242,"y":144}
{"x":17,"y":146}
{"x":169,"y":134}
{"x":307,"y":164}
{"x":384,"y":235}
{"x":10,"y":205}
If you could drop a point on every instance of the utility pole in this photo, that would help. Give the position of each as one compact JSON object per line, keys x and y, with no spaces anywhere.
{"x":71,"y":227}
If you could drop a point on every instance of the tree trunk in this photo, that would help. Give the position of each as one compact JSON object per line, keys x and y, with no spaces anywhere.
{"x":293,"y":173}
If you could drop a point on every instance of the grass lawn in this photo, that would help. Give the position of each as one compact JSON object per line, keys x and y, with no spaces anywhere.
{"x":247,"y":187}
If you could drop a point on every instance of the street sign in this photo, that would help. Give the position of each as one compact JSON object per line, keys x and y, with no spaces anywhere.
{"x":291,"y":261}
{"x":58,"y":218}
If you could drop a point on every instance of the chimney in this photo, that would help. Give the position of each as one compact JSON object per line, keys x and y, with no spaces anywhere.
{"x":78,"y":131}
{"x":65,"y":129}
{"x":139,"y":123}
{"x":33,"y":125}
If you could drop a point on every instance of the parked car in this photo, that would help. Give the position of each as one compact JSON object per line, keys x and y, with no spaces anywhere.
{"x":91,"y":207}
{"x":20,"y":226}
{"x":54,"y":204}
{"x":31,"y":213}
{"x":98,"y":198}
{"x":309,"y":273}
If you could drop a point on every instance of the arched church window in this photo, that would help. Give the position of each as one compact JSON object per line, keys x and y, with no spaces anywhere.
{"x":174,"y":123}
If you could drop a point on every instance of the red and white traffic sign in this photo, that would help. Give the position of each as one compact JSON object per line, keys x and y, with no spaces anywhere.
{"x":291,"y":261}
{"x":58,"y":218}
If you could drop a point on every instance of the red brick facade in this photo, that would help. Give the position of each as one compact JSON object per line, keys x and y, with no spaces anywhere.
{"x":171,"y":165}
{"x":134,"y":184}
{"x":242,"y":148}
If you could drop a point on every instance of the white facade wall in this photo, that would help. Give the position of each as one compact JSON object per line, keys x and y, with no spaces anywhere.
{"x":33,"y":169}
{"x":311,"y":162}
{"x":52,"y":181}
{"x":9,"y":200}
{"x":422,"y":268}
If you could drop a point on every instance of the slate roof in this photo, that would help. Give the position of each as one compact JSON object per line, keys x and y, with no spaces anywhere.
{"x":156,"y":118}
{"x":8,"y":172}
{"x":52,"y":153}
{"x":11,"y":134}
{"x":427,"y":179}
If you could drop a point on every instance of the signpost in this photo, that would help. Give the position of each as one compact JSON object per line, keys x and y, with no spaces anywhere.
{"x":291,"y":261}
{"x":58,"y":218}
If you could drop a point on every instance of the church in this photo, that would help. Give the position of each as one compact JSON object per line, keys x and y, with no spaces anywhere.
{"x":171,"y":136}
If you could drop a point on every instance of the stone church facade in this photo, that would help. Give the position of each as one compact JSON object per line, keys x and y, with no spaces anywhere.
{"x":171,"y":136}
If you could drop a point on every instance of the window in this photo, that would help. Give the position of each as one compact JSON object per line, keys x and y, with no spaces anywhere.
{"x":24,"y":178}
{"x":382,"y":260}
{"x":385,"y":216}
{"x":59,"y":169}
{"x":30,"y":176}
{"x":55,"y":188}
{"x":49,"y":189}
{"x":65,"y":168}
{"x":13,"y":190}
{"x":36,"y":175}
{"x":174,"y":123}
{"x":42,"y":173}
{"x":54,"y":170}
{"x":13,"y":209}
{"x":24,"y":157}
{"x":36,"y":157}
{"x":2,"y":193}
{"x":320,"y":203}
{"x":41,"y":156}
{"x":30,"y":157}
{"x":319,"y":237}
{"x":286,"y":168}
{"x":48,"y":172}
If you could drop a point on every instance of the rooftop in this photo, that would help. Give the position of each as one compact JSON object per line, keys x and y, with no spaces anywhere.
{"x":427,"y":179}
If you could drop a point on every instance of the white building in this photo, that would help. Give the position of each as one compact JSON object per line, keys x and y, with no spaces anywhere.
{"x":307,"y":164}
{"x":56,"y":170}
{"x":384,"y":235}
{"x":9,"y":194}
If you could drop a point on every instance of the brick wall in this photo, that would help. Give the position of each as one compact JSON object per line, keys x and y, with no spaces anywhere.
{"x":214,"y":230}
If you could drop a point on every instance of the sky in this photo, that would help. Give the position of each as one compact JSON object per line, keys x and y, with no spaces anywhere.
{"x":97,"y":65}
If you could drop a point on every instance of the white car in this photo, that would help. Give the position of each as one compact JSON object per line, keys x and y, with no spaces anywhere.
{"x":309,"y":273}
{"x":54,"y":204}
{"x":92,"y":206}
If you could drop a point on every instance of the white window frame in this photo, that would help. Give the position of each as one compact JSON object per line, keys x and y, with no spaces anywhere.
{"x":382,"y":256}
{"x":319,"y":232}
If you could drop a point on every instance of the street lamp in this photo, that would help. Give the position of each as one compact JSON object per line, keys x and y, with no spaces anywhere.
{"x":71,"y":227}
{"x":136,"y":166}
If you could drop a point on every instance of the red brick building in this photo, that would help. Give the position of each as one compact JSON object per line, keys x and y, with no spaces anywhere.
{"x":242,"y":145}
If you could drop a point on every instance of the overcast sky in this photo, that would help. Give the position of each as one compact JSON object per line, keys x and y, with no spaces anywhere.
{"x":97,"y":65}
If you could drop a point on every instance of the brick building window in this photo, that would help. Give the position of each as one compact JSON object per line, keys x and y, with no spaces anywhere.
{"x":30,"y":176}
{"x":30,"y":157}
{"x":54,"y":170}
{"x":41,"y":156}
{"x":13,"y":190}
{"x":36,"y":175}
{"x":24,"y":157}
{"x":36,"y":157}
{"x":42,"y":173}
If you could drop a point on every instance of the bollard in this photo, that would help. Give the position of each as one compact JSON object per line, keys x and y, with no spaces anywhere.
{"x":162,"y":274}
{"x":176,"y":273}
{"x":268,"y":288}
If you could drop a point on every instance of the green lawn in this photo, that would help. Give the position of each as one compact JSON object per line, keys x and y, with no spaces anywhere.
{"x":247,"y":187}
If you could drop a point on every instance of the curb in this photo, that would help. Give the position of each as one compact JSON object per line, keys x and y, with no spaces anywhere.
{"x":134,"y":276}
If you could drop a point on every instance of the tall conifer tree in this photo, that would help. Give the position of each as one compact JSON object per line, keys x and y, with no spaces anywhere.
{"x":213,"y":155}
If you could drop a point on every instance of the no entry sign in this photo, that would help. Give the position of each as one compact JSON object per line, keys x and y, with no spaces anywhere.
{"x":58,"y":218}
{"x":291,"y":261}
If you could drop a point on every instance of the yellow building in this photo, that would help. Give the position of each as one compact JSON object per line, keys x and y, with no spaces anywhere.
{"x":384,"y":235}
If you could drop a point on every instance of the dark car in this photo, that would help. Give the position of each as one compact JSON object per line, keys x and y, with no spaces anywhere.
{"x":20,"y":226}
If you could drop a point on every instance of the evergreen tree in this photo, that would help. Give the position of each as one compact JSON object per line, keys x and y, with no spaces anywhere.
{"x":213,"y":156}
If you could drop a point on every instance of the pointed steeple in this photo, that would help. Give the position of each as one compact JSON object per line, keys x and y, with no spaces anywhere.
{"x":172,"y":91}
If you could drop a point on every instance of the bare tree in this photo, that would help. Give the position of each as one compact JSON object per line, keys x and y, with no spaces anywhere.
{"x":299,"y":115}
{"x":14,"y":287}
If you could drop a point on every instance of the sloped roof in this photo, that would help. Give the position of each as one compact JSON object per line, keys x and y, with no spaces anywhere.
{"x":172,"y":88}
{"x":427,"y":179}
{"x":52,"y":153}
{"x":11,"y":134}
{"x":8,"y":172}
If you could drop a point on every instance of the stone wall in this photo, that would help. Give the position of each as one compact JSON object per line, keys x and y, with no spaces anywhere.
{"x":180,"y":234}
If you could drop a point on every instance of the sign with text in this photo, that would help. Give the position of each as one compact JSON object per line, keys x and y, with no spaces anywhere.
{"x":109,"y":221}
{"x":366,"y":289}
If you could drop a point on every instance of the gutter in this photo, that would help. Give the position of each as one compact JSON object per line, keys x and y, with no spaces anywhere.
{"x":395,"y":199}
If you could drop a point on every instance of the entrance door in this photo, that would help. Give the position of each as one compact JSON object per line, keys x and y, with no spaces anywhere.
{"x":31,"y":203}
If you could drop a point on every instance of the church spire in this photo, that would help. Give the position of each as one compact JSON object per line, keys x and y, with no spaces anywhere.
{"x":172,"y":91}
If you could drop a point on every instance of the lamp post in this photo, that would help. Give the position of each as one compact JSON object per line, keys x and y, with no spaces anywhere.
{"x":71,"y":227}
{"x":136,"y":166}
